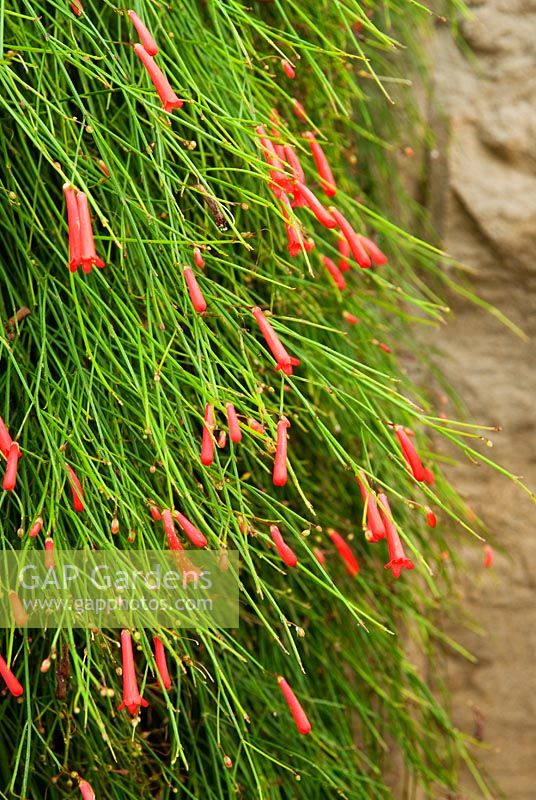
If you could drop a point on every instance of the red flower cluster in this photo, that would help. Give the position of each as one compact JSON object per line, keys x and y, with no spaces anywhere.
{"x":81,"y":243}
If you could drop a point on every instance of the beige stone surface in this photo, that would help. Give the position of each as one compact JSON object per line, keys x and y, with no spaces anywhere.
{"x":485,"y":198}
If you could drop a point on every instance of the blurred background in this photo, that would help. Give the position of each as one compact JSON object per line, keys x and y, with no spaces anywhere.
{"x":483,"y":198}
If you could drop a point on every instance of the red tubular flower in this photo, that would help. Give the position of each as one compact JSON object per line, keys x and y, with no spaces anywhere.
{"x":132,"y":700}
{"x":319,"y":555}
{"x":376,"y":255}
{"x":300,"y":717}
{"x":335,"y":272}
{"x":198,"y":258}
{"x":286,"y":554}
{"x":291,"y":157}
{"x":193,"y":534}
{"x":5,"y":438}
{"x":298,"y":109}
{"x":280,"y":461}
{"x":324,"y":171}
{"x":350,"y":561}
{"x":169,"y":528}
{"x":280,"y":182}
{"x":88,"y":255}
{"x":86,"y":790}
{"x":11,"y":682}
{"x":36,"y":528}
{"x":354,"y":242}
{"x":258,"y":427}
{"x":410,"y":453}
{"x":49,"y":553}
{"x":104,"y":169}
{"x":155,"y":513}
{"x":161,"y":663}
{"x":73,"y":224}
{"x":288,"y":69}
{"x":234,"y":426}
{"x":431,"y":518}
{"x":76,"y":7}
{"x":321,"y":213}
{"x":344,"y":253}
{"x":375,"y":527}
{"x":161,"y":84}
{"x":76,"y":489}
{"x":10,"y":476}
{"x":382,"y":346}
{"x":351,"y":318}
{"x":489,"y":556}
{"x":143,"y":32}
{"x":207,"y":442}
{"x":429,"y":477}
{"x":284,"y":361}
{"x":196,"y":295}
{"x":397,"y":557}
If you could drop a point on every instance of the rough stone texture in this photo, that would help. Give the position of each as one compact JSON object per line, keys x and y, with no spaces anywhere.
{"x":484,"y":197}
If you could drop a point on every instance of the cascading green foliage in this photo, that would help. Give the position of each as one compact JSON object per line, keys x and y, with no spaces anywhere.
{"x":110,"y":372}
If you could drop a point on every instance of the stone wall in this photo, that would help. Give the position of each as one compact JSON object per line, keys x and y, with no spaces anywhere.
{"x":484,"y":200}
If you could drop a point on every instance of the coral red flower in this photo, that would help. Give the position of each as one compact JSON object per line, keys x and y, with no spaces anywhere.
{"x":88,"y":255}
{"x":376,"y":255}
{"x":73,"y":224}
{"x":312,"y":202}
{"x":11,"y":681}
{"x":5,"y":438}
{"x":76,"y":7}
{"x":382,"y":346}
{"x":300,"y":717}
{"x":49,"y":553}
{"x":86,"y":790}
{"x":489,"y":556}
{"x":429,"y":477}
{"x":298,"y":176}
{"x":345,"y":552}
{"x":161,"y":84}
{"x":298,"y":109}
{"x":234,"y":426}
{"x":255,"y":425}
{"x":196,"y":295}
{"x":132,"y":699}
{"x":161,"y":663}
{"x":354,"y":242}
{"x":397,"y":558}
{"x":284,"y":361}
{"x":351,"y":318}
{"x":198,"y":258}
{"x":410,"y":453}
{"x":286,"y":554}
{"x":288,"y":69}
{"x":280,"y":182}
{"x":431,"y":518}
{"x":207,"y":442}
{"x":375,"y":527}
{"x":344,"y":253}
{"x":10,"y":476}
{"x":335,"y":272}
{"x":155,"y":513}
{"x":104,"y":169}
{"x":324,"y":171}
{"x":143,"y":32}
{"x":76,"y":489}
{"x":319,"y":555}
{"x":36,"y":528}
{"x":280,"y":462}
{"x":169,"y":528}
{"x":193,"y":534}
